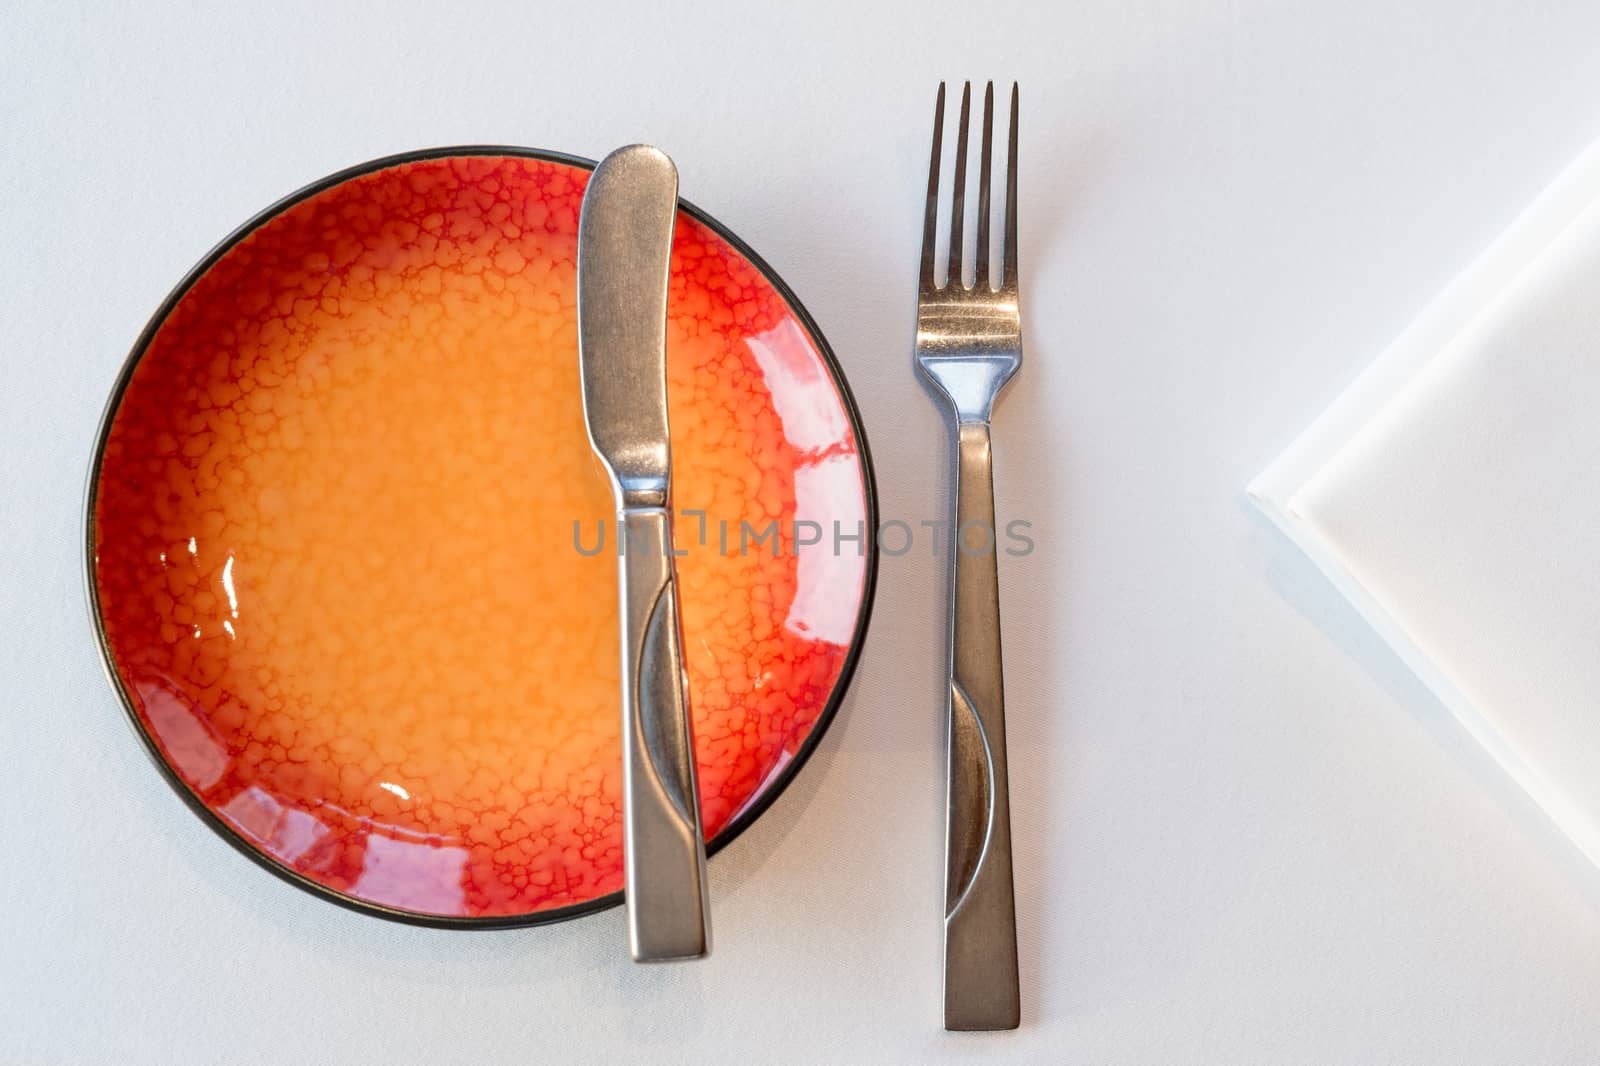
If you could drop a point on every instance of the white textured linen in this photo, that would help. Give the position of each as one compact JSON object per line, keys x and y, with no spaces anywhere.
{"x":1454,"y":495}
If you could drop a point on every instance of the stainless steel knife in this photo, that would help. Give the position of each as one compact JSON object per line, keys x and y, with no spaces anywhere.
{"x":624,"y":248}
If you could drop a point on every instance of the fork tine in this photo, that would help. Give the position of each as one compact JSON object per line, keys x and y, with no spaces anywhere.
{"x":981,"y":275}
{"x":959,"y":201}
{"x":930,"y":222}
{"x":1008,"y":275}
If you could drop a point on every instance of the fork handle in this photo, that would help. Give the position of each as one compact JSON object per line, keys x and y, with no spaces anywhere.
{"x":981,"y":988}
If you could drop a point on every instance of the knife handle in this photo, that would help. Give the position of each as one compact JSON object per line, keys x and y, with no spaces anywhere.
{"x":981,"y":989}
{"x":664,"y":852}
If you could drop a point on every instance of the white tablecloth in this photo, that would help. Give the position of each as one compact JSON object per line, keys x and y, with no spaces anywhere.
{"x":1245,"y":833}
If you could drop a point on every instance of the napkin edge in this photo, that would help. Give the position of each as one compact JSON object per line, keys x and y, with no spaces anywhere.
{"x":1274,"y":490}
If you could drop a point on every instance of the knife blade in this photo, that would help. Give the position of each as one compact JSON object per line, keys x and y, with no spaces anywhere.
{"x":624,"y":251}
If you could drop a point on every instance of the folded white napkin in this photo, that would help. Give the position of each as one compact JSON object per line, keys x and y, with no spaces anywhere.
{"x":1453,"y":494}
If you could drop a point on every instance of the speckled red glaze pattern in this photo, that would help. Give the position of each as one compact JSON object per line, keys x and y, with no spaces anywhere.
{"x":343,"y":522}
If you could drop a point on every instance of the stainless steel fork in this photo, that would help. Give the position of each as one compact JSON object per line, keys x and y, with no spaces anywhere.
{"x":969,"y":344}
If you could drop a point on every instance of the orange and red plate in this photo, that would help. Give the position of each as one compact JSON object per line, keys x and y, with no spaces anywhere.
{"x":344,"y":534}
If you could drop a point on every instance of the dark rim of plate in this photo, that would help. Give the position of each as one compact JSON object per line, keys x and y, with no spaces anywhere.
{"x":753,"y":810}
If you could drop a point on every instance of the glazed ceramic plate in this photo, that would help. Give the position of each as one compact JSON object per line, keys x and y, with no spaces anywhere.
{"x":352,"y":561}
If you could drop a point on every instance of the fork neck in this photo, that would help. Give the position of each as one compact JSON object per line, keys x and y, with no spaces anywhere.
{"x":970,"y":385}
